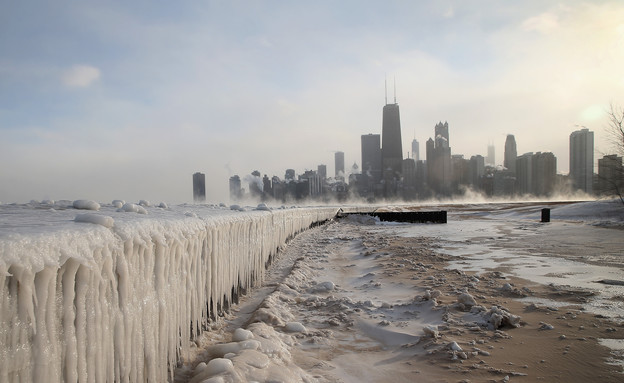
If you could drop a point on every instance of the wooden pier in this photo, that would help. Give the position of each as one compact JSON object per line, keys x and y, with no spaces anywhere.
{"x":400,"y":216}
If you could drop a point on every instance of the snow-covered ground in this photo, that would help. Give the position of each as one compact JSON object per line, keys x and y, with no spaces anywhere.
{"x":360,"y":306}
{"x":356,"y":300}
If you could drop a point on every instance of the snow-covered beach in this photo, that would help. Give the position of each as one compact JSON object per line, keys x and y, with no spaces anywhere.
{"x":493,"y":295}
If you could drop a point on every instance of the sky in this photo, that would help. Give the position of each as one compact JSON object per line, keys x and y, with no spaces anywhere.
{"x":126,"y":100}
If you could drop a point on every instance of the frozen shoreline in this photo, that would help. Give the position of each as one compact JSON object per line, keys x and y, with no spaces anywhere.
{"x":364,"y":303}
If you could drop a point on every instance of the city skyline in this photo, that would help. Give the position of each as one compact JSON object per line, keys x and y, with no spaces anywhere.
{"x":119,"y":100}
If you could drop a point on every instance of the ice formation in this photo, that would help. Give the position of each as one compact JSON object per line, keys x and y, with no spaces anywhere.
{"x":122,"y":299}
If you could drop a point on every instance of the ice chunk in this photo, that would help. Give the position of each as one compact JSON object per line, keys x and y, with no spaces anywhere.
{"x":237,"y":208}
{"x":454,"y":346}
{"x":163,"y":205}
{"x":145,"y":203}
{"x":241,"y":335}
{"x":97,"y":219}
{"x":86,"y":204}
{"x":294,"y":327}
{"x":323,"y":287}
{"x":431,"y":331}
{"x":262,"y":206}
{"x":218,"y":365}
{"x":132,"y":208}
{"x":466,"y":299}
{"x":117,"y":203}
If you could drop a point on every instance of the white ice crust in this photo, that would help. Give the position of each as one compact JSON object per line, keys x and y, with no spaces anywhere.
{"x":120,"y":297}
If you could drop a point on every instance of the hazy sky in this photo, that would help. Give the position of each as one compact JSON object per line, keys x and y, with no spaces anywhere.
{"x":118,"y":99}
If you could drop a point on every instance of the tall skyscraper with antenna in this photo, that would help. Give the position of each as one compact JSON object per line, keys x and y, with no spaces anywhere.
{"x":415,"y":150}
{"x":391,"y":146}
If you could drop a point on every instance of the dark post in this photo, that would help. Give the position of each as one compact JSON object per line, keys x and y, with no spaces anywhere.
{"x":545,"y":215}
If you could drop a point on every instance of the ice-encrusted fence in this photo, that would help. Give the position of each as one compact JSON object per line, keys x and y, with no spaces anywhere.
{"x":91,"y":303}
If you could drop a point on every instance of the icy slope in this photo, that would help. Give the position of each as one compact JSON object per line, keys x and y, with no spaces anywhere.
{"x":114,"y":295}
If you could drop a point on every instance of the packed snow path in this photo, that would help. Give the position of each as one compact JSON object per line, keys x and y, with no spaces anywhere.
{"x":117,"y":296}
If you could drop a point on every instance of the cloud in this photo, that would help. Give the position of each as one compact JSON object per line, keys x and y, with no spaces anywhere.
{"x":544,"y":23}
{"x":80,"y":76}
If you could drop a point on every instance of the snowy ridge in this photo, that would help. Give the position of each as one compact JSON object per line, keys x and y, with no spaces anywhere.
{"x":84,"y":302}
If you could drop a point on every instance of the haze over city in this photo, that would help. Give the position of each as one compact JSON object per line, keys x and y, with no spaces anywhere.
{"x":120,"y":100}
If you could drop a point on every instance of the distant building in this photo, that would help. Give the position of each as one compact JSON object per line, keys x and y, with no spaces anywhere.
{"x":460,"y":172}
{"x":582,"y":160}
{"x":255,"y":184}
{"x":313,"y":182}
{"x":536,"y":174}
{"x":610,"y":175}
{"x":511,"y":153}
{"x":339,"y":163}
{"x":410,"y":179}
{"x":524,"y":174}
{"x":371,"y":157}
{"x":236,"y":192}
{"x":439,"y":167}
{"x":491,"y":156}
{"x":322,"y":171}
{"x":267,"y":189}
{"x":477,"y":171}
{"x":415,"y":150}
{"x":290,"y":175}
{"x":199,"y":187}
{"x":442,"y":135}
{"x":544,"y":173}
{"x":391,"y":146}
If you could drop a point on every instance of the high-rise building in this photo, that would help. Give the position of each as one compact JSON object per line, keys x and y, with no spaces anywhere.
{"x":391,"y":146}
{"x":415,"y":150}
{"x":582,"y":160}
{"x":199,"y":187}
{"x":339,"y":164}
{"x":491,"y":155}
{"x":439,"y":168}
{"x":477,"y":170}
{"x":510,"y":153}
{"x":544,"y":173}
{"x":610,"y":175}
{"x":442,"y":135}
{"x":235,"y":188}
{"x":524,"y":173}
{"x":371,"y":157}
{"x":536,"y":173}
{"x":322,"y":171}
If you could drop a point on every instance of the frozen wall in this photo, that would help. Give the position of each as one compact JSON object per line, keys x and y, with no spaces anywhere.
{"x":83,"y":302}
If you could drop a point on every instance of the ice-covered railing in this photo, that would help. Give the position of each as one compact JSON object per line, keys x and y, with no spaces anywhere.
{"x":85,"y":302}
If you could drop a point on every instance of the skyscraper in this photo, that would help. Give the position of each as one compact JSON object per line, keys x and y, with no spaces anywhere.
{"x":339,"y":164}
{"x":199,"y":187}
{"x":439,"y":161}
{"x":391,"y":146}
{"x":415,"y":150}
{"x":511,"y":153}
{"x":582,"y":160}
{"x":371,"y":157}
{"x":491,"y":155}
{"x":322,"y":171}
{"x":442,"y":135}
{"x":610,"y":175}
{"x":544,"y":173}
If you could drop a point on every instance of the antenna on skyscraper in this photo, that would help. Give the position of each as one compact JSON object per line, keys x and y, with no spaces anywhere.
{"x":386,"y":88}
{"x":395,"y":89}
